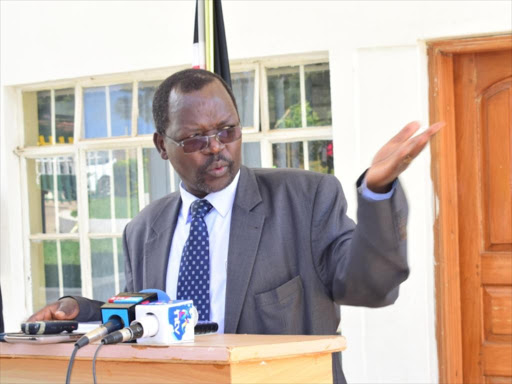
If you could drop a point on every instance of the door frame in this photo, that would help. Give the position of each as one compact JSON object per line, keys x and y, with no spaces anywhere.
{"x":444,"y":177}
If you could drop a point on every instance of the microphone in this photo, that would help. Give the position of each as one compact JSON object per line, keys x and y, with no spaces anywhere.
{"x":162,"y":323}
{"x":112,"y":325}
{"x":145,"y":327}
{"x":116,"y":313}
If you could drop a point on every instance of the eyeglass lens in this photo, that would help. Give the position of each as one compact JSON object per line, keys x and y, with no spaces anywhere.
{"x":199,"y":143}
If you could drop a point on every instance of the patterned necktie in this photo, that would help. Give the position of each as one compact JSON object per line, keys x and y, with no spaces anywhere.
{"x":194,"y":276}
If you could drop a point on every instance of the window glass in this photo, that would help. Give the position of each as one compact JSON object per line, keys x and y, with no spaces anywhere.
{"x":145,"y":122}
{"x":71,"y":270}
{"x":120,"y":265}
{"x":243,"y":89}
{"x":64,"y":115}
{"x":44,"y":117}
{"x":284,"y":108}
{"x":112,"y":189}
{"x":318,"y":94}
{"x":321,"y":156}
{"x":126,"y":190}
{"x":99,"y":174}
{"x":95,"y":112}
{"x":102,"y":264}
{"x":52,"y":195}
{"x":120,"y":109}
{"x":55,"y":276}
{"x":251,"y":154}
{"x":288,"y":155}
{"x":157,"y":181}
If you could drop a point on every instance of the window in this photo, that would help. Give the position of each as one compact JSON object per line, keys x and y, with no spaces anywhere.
{"x":90,"y":165}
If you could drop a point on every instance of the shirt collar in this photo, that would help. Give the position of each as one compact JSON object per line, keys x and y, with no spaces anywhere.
{"x":222,"y":200}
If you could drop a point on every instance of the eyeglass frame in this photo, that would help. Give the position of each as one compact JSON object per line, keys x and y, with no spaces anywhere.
{"x":216,"y":135}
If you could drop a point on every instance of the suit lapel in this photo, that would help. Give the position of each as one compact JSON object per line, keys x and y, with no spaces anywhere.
{"x":156,"y":250}
{"x":245,"y":233}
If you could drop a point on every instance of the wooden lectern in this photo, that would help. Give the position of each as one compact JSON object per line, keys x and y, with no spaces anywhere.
{"x":209,"y":359}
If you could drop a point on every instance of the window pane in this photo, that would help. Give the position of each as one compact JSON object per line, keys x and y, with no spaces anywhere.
{"x":99,"y":174}
{"x":121,"y":109}
{"x":49,"y":279}
{"x":107,"y":201}
{"x":145,"y":122}
{"x":288,"y":155}
{"x":284,"y":97}
{"x":125,"y":187}
{"x":44,"y":117}
{"x":52,"y":195}
{"x":318,"y":94}
{"x":66,"y":190}
{"x":64,"y":115}
{"x":243,"y":88}
{"x":95,"y":112}
{"x":120,"y":265}
{"x":251,"y":155}
{"x":102,"y":263}
{"x":321,"y":156}
{"x":157,"y":181}
{"x":71,"y":272}
{"x":51,"y":271}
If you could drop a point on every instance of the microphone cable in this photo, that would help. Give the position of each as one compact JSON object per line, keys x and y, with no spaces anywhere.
{"x":94,"y":362}
{"x":70,"y":364}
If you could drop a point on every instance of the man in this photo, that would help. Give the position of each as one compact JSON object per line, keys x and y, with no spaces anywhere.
{"x":283,"y":255}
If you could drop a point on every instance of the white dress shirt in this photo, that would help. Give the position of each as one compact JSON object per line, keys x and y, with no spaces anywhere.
{"x":218,"y":222}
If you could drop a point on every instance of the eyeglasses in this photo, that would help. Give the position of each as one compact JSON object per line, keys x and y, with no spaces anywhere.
{"x":225,"y":135}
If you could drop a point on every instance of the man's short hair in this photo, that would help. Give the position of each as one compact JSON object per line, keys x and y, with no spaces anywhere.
{"x":186,"y":81}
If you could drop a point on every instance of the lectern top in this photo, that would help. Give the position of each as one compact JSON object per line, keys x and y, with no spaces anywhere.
{"x":220,"y":348}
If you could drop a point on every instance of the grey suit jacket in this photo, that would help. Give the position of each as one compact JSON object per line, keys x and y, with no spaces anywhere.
{"x":294,"y":256}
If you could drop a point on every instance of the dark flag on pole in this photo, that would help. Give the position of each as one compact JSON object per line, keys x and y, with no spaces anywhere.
{"x":210,"y":47}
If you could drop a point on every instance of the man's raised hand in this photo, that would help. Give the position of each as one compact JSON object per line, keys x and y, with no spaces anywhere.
{"x":394,"y":157}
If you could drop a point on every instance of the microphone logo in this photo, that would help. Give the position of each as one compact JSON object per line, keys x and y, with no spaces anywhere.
{"x":182,"y":317}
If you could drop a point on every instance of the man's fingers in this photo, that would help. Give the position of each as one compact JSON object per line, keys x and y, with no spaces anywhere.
{"x":396,"y":142}
{"x":45,"y":313}
{"x":397,"y":154}
{"x":406,"y":132}
{"x":415,"y":145}
{"x":68,"y":309}
{"x":64,"y":309}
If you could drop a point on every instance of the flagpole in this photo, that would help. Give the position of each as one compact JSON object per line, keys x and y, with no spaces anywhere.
{"x":208,"y":26}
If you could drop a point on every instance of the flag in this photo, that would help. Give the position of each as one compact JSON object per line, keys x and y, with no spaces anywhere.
{"x":210,"y":47}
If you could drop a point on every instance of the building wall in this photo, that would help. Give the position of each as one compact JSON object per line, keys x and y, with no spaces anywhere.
{"x":379,"y":82}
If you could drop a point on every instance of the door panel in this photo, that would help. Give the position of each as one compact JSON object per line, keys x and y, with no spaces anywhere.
{"x":483,"y":114}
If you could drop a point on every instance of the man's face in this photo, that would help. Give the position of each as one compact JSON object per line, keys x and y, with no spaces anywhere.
{"x":202,"y":112}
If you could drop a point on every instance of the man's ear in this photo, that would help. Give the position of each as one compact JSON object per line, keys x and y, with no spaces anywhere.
{"x":158,"y":140}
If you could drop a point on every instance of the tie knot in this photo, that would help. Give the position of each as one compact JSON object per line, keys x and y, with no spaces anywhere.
{"x":200,"y":208}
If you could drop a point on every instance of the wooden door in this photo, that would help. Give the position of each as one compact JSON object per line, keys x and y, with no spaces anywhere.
{"x":483,"y":137}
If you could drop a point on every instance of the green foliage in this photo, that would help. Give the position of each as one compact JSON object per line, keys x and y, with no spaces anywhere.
{"x":70,"y":252}
{"x":292,"y":118}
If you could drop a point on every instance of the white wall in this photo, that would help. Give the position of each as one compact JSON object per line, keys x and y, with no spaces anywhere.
{"x":378,"y":83}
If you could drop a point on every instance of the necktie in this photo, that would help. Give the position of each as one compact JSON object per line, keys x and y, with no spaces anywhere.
{"x":194,"y":276}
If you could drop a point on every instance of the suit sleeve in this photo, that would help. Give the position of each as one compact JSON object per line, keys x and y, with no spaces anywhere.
{"x":361,"y":264}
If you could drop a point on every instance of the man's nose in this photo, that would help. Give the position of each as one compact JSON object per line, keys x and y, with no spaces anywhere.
{"x":214,"y":145}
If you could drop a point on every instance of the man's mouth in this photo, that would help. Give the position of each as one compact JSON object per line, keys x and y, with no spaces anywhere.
{"x":218,"y":168}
